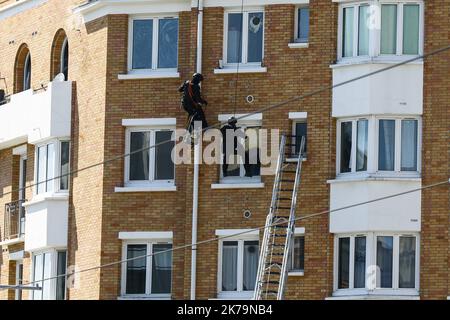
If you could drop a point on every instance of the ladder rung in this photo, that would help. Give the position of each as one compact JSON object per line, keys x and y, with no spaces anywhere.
{"x":284,"y":180}
{"x":282,"y":198}
{"x":270,"y":264}
{"x":284,"y":208}
{"x":279,"y":235}
{"x":289,"y":171}
{"x":277,"y":254}
{"x":270,"y":292}
{"x":286,"y":190}
{"x":271,"y":282}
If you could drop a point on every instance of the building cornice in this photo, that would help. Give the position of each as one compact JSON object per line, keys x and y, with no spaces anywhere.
{"x":96,"y":9}
{"x":18,"y":7}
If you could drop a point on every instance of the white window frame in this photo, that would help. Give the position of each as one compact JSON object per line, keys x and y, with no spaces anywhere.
{"x":244,"y":124}
{"x":299,"y":232}
{"x":53,"y":271}
{"x":375,"y":35}
{"x":244,"y":47}
{"x":371,"y":256}
{"x":241,"y":239}
{"x":56,"y":168}
{"x":373,"y":148}
{"x":151,"y":181}
{"x":149,"y":261}
{"x":398,"y":145}
{"x":155,"y":44}
{"x":297,"y":38}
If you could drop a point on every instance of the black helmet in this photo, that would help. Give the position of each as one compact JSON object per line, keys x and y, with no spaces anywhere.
{"x":197,"y":78}
{"x":232,"y":121}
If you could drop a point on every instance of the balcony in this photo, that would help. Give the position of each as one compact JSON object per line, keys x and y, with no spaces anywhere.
{"x":33,"y":116}
{"x":398,"y":91}
{"x":14,"y":222}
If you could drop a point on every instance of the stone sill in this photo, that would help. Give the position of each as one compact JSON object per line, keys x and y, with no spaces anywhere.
{"x":237,"y":185}
{"x":169,"y":188}
{"x":149,"y":75}
{"x":242,"y":69}
{"x":298,"y":45}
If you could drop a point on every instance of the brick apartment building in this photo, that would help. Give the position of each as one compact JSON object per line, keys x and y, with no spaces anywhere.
{"x":123,"y":62}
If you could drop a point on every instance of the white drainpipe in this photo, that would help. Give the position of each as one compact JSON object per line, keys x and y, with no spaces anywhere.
{"x":197,"y":151}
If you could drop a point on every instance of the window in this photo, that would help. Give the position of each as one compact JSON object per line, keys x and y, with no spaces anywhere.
{"x":373,"y":28}
{"x":153,"y":43}
{"x":302,"y":25}
{"x":300,"y":130}
{"x":397,"y":141}
{"x":64,"y":165}
{"x":244,"y":37}
{"x":354,"y":135}
{"x":46,"y":266}
{"x":298,"y":254}
{"x":377,"y":261}
{"x":27,"y":73}
{"x":398,"y":145}
{"x":64,"y":67}
{"x":47,"y":165}
{"x":238,"y":266}
{"x":236,"y":169}
{"x":150,"y":275}
{"x":145,"y":164}
{"x":45,"y":168}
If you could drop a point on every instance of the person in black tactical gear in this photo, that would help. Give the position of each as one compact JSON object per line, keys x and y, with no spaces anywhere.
{"x":192,"y":101}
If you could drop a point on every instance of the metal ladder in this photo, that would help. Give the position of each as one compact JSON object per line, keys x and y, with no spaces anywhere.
{"x":280,"y":226}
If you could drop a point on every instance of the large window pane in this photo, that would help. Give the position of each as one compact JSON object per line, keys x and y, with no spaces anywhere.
{"x":386,"y":145}
{"x":298,"y":257}
{"x":164,"y":166}
{"x":162,"y":269}
{"x":252,"y":165}
{"x":255,"y":36}
{"x":344,"y":263}
{"x":61,"y":280}
{"x":27,"y":73}
{"x":303,"y":25}
{"x":362,"y":143}
{"x":139,"y":161}
{"x":407,"y":262}
{"x":38,"y":275}
{"x":229,"y":265}
{"x":50,"y":166}
{"x":384,"y":261}
{"x":136,"y":269}
{"x":46,"y":284}
{"x":168,"y":43}
{"x":42,"y":169}
{"x":234,"y":50}
{"x":388,"y":29}
{"x":363,"y":32}
{"x":301,"y":130}
{"x":409,"y":145}
{"x":142,"y":44}
{"x":346,"y":147}
{"x":411,"y":29}
{"x":251,"y":255}
{"x":360,"y":262}
{"x":348,"y":32}
{"x":65,"y":151}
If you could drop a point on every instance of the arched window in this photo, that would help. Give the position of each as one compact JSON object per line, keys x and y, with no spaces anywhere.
{"x":22,"y":71}
{"x":64,"y":65}
{"x":60,"y":55}
{"x":27,"y":73}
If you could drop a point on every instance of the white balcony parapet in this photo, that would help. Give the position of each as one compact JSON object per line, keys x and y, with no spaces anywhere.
{"x":398,"y":91}
{"x":36,"y":116}
{"x":401,"y":213}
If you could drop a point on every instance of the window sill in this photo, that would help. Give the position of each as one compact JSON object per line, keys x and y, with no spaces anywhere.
{"x":374,"y":60}
{"x":290,"y":159}
{"x":156,"y":188}
{"x":235,"y":296}
{"x":242,"y":69}
{"x":374,"y":297}
{"x":149,"y":75}
{"x":298,"y":45}
{"x":156,"y":297}
{"x":12,"y":241}
{"x":374,"y":177}
{"x":251,"y":185}
{"x":61,"y":196}
{"x":296,"y":273}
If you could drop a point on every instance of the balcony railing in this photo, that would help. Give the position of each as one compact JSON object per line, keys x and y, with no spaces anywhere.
{"x":14,"y":221}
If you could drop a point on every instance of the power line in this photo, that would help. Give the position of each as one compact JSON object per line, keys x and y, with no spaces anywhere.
{"x":218,"y":124}
{"x":111,"y":264}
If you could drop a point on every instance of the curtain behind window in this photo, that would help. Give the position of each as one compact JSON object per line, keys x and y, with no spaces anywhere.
{"x":348,"y":32}
{"x":142,"y":44}
{"x":139,"y":161}
{"x":411,"y":29}
{"x":162,"y":269}
{"x":363,"y":35}
{"x":384,"y":261}
{"x":407,"y":262}
{"x":229,"y":265}
{"x":386,"y":145}
{"x":251,"y":255}
{"x":168,"y":43}
{"x":234,"y":50}
{"x":388,"y":29}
